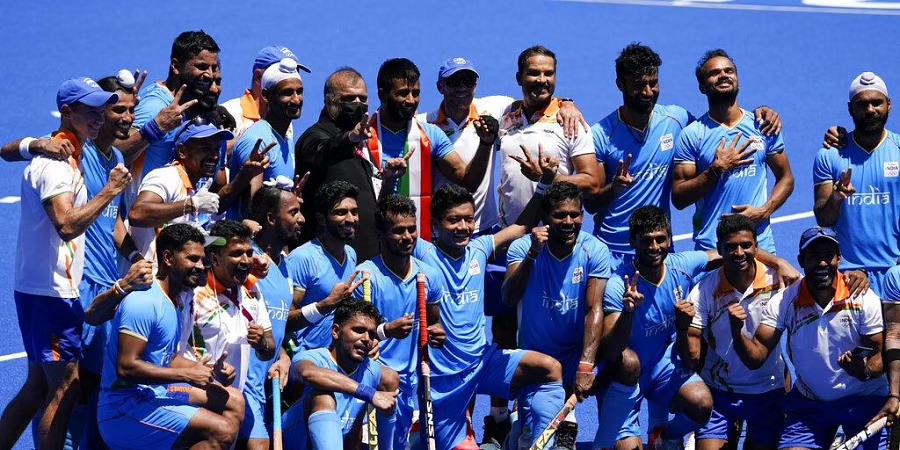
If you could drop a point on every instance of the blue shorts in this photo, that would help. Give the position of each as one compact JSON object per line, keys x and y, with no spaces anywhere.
{"x":93,"y":339}
{"x":257,"y":419}
{"x":762,"y":412}
{"x":813,"y":424}
{"x":658,"y":386}
{"x":50,"y":326}
{"x":452,"y":393}
{"x":142,"y":421}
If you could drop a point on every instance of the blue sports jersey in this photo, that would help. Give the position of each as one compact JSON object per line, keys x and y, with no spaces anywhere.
{"x":891,"y":287}
{"x":462,"y":313}
{"x":654,"y":321}
{"x":149,"y":316}
{"x":393,"y":145}
{"x":744,"y":185}
{"x":154,"y":98}
{"x":278,"y":293}
{"x":553,"y":308}
{"x":348,"y":407}
{"x":652,"y":152}
{"x":396,"y":296}
{"x":281,"y":157}
{"x":100,"y":252}
{"x":869,"y":222}
{"x":314,"y":270}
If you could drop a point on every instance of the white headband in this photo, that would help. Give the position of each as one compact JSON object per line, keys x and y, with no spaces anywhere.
{"x":867,"y":81}
{"x":286,"y":69}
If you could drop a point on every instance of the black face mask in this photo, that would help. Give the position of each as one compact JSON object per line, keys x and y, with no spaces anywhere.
{"x":350,"y":115}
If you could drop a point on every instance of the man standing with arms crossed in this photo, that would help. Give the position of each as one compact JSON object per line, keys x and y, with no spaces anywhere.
{"x":55,"y":214}
{"x":720,"y":171}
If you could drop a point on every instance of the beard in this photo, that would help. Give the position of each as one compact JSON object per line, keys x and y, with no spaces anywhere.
{"x":402,"y":111}
{"x":717,"y":97}
{"x":636,"y":103}
{"x":200,"y":89}
{"x":870,"y":125}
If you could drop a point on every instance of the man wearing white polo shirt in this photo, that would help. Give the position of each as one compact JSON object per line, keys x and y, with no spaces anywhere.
{"x":835,"y":342}
{"x":49,"y":264}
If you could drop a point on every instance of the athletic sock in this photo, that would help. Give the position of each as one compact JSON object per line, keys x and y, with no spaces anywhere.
{"x":617,"y":404}
{"x":325,"y":430}
{"x":387,"y":425}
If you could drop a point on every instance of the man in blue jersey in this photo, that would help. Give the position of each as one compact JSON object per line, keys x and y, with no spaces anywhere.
{"x":194,"y":79}
{"x":393,"y":275}
{"x":854,"y":185}
{"x":466,"y":364}
{"x":339,"y":381}
{"x":721,"y":159}
{"x":556,"y":277}
{"x":640,"y":306}
{"x":323,"y":271}
{"x":634,"y":146}
{"x":277,"y":212}
{"x":282,"y":92}
{"x":136,"y":410}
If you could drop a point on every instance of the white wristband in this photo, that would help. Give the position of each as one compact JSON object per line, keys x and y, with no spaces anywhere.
{"x":380,"y":332}
{"x":311,"y":313}
{"x":23,"y":148}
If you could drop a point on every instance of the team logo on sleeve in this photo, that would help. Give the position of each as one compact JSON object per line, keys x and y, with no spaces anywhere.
{"x":891,"y":169}
{"x":667,"y":142}
{"x":474,"y":268}
{"x":577,"y":275}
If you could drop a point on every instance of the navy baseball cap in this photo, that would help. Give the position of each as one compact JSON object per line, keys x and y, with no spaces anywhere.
{"x":813,"y":234}
{"x":199,"y":128}
{"x":274,"y":54}
{"x":83,"y":90}
{"x":453,"y":65}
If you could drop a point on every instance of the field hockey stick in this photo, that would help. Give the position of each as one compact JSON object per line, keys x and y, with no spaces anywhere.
{"x":548,"y":432}
{"x":857,"y":439}
{"x":277,"y":443}
{"x":372,"y":427}
{"x":426,"y":416}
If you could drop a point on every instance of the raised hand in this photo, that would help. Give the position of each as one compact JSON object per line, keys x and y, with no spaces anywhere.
{"x":360,"y":133}
{"x":737,"y":315}
{"x":529,"y":166}
{"x":633,"y":298}
{"x":623,"y":179}
{"x":731,"y":156}
{"x":119,"y":179}
{"x":258,"y":161}
{"x":139,"y":277}
{"x":139,"y":78}
{"x":684,"y":315}
{"x":259,"y":265}
{"x":835,"y":137}
{"x":205,"y":202}
{"x":299,"y":183}
{"x":256,"y":336}
{"x":549,"y":166}
{"x":486,"y":127}
{"x":170,"y":117}
{"x":201,"y":373}
{"x":344,"y":290}
{"x":396,"y":167}
{"x":223,"y":372}
{"x":856,"y":367}
{"x":768,"y":120}
{"x":844,"y":188}
{"x":539,"y":237}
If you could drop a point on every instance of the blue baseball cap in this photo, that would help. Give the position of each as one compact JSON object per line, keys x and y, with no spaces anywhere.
{"x":815,"y":233}
{"x":83,"y":90}
{"x":199,"y":128}
{"x":453,"y":65}
{"x":274,"y":54}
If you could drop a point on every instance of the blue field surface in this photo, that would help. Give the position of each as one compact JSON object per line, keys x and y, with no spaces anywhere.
{"x":796,"y":56}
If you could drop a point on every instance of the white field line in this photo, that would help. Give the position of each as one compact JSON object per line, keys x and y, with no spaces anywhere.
{"x":808,"y":6}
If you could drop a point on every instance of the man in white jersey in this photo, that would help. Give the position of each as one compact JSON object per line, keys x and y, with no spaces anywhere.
{"x":49,"y":264}
{"x":833,"y":339}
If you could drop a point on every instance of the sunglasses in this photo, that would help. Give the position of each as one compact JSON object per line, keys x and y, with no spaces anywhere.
{"x":454,"y":82}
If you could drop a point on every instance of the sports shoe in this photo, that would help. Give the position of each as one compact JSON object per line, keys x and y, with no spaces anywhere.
{"x":495,"y":431}
{"x":566,"y":436}
{"x":657,"y":441}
